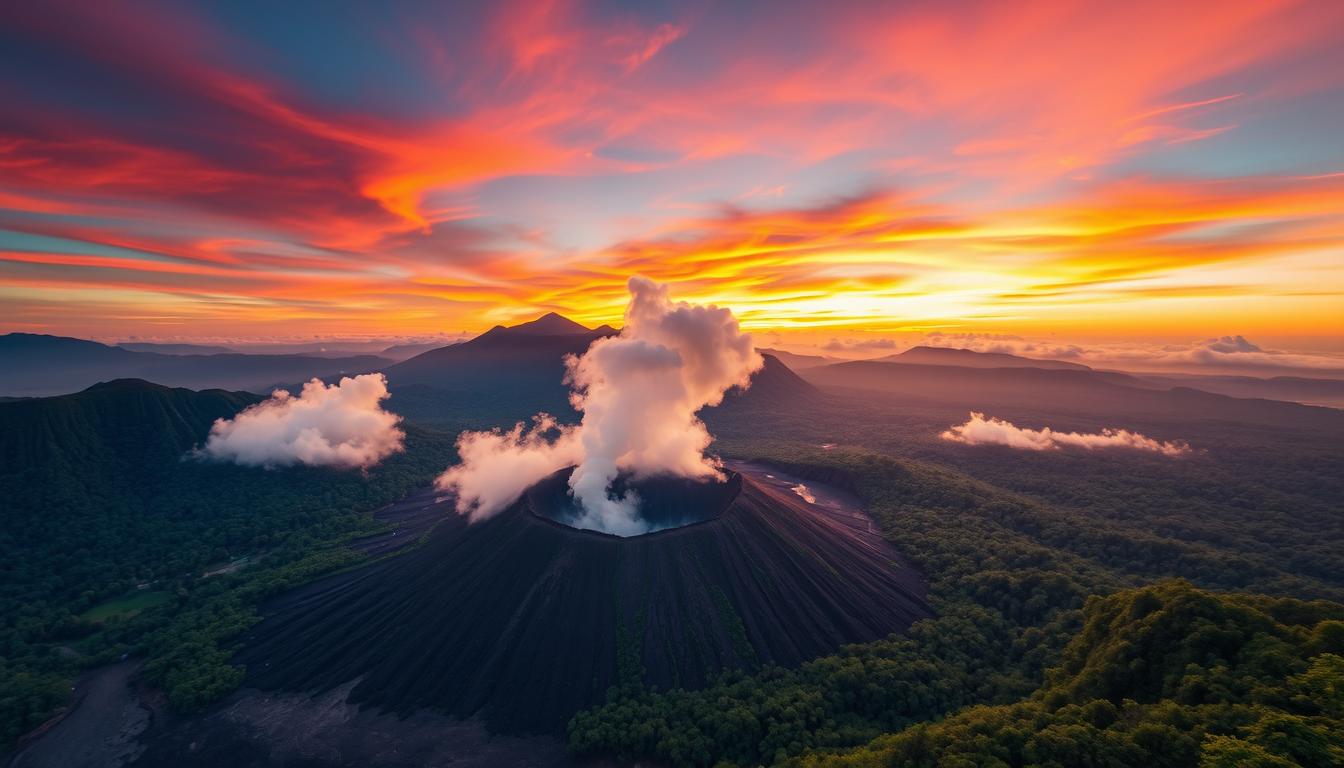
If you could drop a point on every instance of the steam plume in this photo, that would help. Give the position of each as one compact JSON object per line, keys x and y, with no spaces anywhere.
{"x":639,"y":393}
{"x":342,"y":425}
{"x":979,"y":430}
{"x":498,"y":466}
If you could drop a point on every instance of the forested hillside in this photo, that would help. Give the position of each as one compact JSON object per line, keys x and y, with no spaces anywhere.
{"x":1091,"y":607}
{"x":1019,"y":547}
{"x":1160,"y":676}
{"x":109,"y":527}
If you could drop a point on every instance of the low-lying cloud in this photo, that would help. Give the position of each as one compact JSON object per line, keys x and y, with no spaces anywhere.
{"x":979,"y":430}
{"x":1231,"y":345}
{"x":1004,"y":344}
{"x":1222,"y":354}
{"x":639,"y":393}
{"x":340,"y":425}
{"x":859,"y":345}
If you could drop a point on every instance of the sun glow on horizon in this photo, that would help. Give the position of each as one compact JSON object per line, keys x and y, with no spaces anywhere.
{"x":1074,"y":169}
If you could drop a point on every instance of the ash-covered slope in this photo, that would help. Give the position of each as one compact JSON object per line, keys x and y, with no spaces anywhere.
{"x":524,"y":620}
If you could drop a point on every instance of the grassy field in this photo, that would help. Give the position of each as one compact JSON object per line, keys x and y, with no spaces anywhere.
{"x":126,"y":606}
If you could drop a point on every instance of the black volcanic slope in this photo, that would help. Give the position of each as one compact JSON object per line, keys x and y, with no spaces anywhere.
{"x":522,"y":619}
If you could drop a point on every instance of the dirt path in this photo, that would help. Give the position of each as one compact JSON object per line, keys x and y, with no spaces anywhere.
{"x":102,"y":729}
{"x":110,"y":727}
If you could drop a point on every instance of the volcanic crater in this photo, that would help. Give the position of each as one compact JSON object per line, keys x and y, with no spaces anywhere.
{"x":523,"y":620}
{"x":663,"y":502}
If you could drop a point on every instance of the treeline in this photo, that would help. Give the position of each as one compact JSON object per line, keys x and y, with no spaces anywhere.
{"x":1167,"y":675}
{"x":1255,"y":508}
{"x":1009,"y":587}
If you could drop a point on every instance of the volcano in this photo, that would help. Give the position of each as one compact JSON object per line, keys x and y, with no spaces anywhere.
{"x":523,"y":620}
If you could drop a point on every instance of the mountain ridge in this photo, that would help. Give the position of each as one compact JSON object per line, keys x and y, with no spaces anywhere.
{"x":1096,"y":392}
{"x":969,"y":358}
{"x":117,"y":423}
{"x":56,"y":365}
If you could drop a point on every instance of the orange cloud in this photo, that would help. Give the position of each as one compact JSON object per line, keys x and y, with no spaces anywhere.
{"x":558,"y":147}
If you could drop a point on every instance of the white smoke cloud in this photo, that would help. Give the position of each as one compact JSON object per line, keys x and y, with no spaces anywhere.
{"x":342,"y":425}
{"x":979,"y":430}
{"x":497,"y":466}
{"x":639,"y":393}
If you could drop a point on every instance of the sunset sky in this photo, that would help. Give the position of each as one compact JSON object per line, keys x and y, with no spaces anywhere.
{"x":1159,"y":170}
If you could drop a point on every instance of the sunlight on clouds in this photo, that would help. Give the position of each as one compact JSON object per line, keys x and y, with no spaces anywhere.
{"x":1116,"y":174}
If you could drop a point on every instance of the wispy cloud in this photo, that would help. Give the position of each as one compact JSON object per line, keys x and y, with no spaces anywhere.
{"x":979,"y":430}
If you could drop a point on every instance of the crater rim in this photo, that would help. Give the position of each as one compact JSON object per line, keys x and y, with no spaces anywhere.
{"x":667,"y":502}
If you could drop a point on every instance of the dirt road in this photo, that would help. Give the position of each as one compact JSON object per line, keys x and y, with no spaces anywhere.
{"x":102,"y":729}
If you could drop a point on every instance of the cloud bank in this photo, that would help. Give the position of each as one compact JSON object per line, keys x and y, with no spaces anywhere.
{"x":341,"y":425}
{"x":861,"y":345}
{"x":1223,"y":354}
{"x":1005,"y":344}
{"x":979,"y":430}
{"x":639,"y":393}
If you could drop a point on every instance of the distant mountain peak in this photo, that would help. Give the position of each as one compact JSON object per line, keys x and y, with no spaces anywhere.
{"x":124,"y":384}
{"x":46,"y":341}
{"x":550,"y":324}
{"x":923,"y":349}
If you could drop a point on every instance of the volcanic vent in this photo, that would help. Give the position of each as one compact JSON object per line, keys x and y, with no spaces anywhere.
{"x":664,"y":502}
{"x":522,"y":619}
